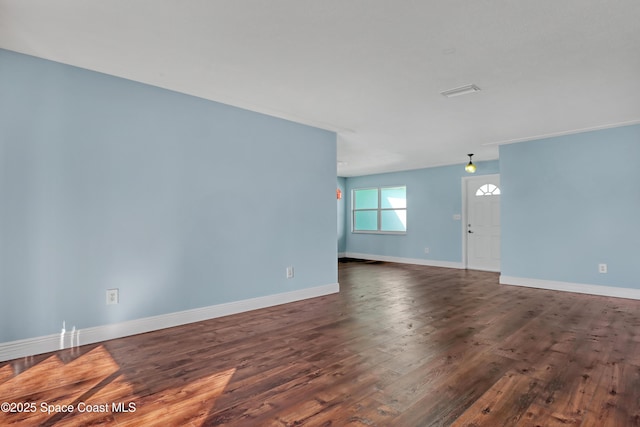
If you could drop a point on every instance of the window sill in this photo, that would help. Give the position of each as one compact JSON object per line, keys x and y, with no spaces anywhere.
{"x":400,"y":233}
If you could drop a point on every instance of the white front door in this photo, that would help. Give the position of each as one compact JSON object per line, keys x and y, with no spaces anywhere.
{"x":482,"y":228}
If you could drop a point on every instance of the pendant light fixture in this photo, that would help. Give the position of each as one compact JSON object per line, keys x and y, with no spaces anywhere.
{"x":470,"y":168}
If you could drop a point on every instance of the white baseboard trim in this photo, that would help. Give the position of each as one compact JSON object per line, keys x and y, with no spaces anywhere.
{"x":607,"y":291}
{"x":32,"y":346}
{"x":342,"y":254}
{"x":417,"y":261}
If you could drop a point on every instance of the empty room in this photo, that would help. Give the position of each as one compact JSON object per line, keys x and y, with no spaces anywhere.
{"x":319,"y":213}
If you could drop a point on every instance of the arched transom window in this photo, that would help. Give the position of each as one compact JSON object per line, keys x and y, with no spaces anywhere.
{"x":488,"y":190}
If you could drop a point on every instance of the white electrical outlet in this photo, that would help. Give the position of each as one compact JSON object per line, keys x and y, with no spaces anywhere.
{"x":290,"y":272}
{"x":426,"y":250}
{"x":112,"y":296}
{"x":602,"y":268}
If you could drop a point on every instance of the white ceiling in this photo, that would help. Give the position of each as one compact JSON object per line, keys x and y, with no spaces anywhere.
{"x":372,"y":70}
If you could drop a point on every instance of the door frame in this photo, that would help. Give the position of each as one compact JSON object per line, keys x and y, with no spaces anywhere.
{"x":465,"y":212}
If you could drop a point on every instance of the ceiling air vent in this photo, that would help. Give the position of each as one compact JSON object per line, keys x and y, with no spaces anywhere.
{"x":462,"y":90}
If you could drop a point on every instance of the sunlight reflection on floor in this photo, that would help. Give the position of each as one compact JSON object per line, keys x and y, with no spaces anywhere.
{"x":91,"y":389}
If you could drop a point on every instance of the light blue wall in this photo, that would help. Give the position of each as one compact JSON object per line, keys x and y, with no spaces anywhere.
{"x":342,"y":216}
{"x":177,"y":201}
{"x":570,"y":203}
{"x":434,"y":195}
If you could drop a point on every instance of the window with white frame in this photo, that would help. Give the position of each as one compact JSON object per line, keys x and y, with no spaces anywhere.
{"x":488,"y":190}
{"x":380,"y":210}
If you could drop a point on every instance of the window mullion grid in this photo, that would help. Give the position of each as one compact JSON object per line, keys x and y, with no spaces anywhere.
{"x":379,"y":211}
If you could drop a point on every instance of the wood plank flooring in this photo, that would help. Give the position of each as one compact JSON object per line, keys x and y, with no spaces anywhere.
{"x":401,"y":345}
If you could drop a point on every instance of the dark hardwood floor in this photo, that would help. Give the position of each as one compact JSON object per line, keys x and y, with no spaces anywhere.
{"x":401,"y":345}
